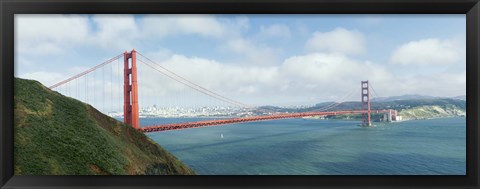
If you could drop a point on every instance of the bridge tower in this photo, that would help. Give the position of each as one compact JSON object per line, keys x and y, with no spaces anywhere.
{"x":130,"y":89}
{"x":366,"y":104}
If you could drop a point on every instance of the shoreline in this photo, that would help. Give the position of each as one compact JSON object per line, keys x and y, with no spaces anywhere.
{"x":308,"y":118}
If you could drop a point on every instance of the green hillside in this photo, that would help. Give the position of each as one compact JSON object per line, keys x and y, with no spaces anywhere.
{"x":427,"y":112}
{"x":58,"y":135}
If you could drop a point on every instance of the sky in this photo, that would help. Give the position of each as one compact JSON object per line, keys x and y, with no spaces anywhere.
{"x":255,"y":59}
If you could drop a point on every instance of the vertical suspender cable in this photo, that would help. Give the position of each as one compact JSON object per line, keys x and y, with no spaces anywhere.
{"x":120,"y":102}
{"x":111,"y":87}
{"x":103,"y":89}
{"x":94,"y":88}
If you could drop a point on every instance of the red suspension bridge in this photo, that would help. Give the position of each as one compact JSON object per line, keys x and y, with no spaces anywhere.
{"x":130,"y":99}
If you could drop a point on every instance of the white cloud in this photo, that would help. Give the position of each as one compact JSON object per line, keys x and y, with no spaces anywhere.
{"x":211,"y":74}
{"x":46,"y":78}
{"x":444,"y":84}
{"x":255,"y":53}
{"x":339,"y":40}
{"x":241,"y":23}
{"x":331,"y":74}
{"x":309,"y":78}
{"x":49,"y":78}
{"x":160,"y":26}
{"x":49,"y":34}
{"x":371,"y":21}
{"x":160,"y":54}
{"x":229,"y":32}
{"x":202,"y":25}
{"x":55,"y":34}
{"x":115,"y":31}
{"x":327,"y":73}
{"x":429,"y":52}
{"x":23,"y":63}
{"x":321,"y":76}
{"x":274,"y":31}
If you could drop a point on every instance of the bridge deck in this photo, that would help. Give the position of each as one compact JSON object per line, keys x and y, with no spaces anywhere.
{"x":178,"y":126}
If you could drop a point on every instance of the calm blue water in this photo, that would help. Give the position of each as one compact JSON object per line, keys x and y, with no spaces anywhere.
{"x":320,"y":147}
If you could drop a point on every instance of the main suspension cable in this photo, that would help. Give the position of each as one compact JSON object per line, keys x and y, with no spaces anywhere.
{"x":202,"y":88}
{"x":85,"y":72}
{"x":193,"y":87}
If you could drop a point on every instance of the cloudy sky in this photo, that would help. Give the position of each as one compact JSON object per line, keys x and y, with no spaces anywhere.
{"x":255,"y":59}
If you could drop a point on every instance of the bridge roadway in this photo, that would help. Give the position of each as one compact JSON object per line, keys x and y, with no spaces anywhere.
{"x":187,"y":125}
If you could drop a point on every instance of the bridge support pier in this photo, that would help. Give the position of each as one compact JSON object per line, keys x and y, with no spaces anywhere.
{"x":390,"y":116}
{"x":387,"y":117}
{"x":130,"y":88}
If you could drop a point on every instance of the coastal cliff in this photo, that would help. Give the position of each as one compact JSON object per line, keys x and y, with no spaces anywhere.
{"x":59,"y":135}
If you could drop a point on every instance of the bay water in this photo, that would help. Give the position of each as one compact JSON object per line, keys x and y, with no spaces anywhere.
{"x":319,"y":147}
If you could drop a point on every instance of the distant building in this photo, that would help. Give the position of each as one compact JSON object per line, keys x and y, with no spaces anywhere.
{"x":399,"y":118}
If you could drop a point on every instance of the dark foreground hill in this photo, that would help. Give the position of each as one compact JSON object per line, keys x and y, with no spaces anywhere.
{"x":58,"y":135}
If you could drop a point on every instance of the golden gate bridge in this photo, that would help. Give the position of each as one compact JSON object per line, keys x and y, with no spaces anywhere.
{"x":72,"y":87}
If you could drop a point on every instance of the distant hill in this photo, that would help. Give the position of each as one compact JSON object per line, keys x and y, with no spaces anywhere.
{"x":461,"y":97}
{"x":402,"y":97}
{"x":58,"y":135}
{"x":412,"y":97}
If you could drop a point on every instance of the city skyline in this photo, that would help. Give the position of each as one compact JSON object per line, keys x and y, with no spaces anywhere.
{"x":259,"y":60}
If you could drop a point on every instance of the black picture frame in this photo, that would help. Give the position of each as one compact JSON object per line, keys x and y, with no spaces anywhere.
{"x":10,"y":7}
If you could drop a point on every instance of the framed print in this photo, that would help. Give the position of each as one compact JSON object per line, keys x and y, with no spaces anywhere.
{"x":239,"y":94}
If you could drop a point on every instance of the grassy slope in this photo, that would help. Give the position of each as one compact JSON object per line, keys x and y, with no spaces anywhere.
{"x":58,"y":135}
{"x":425,"y":112}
